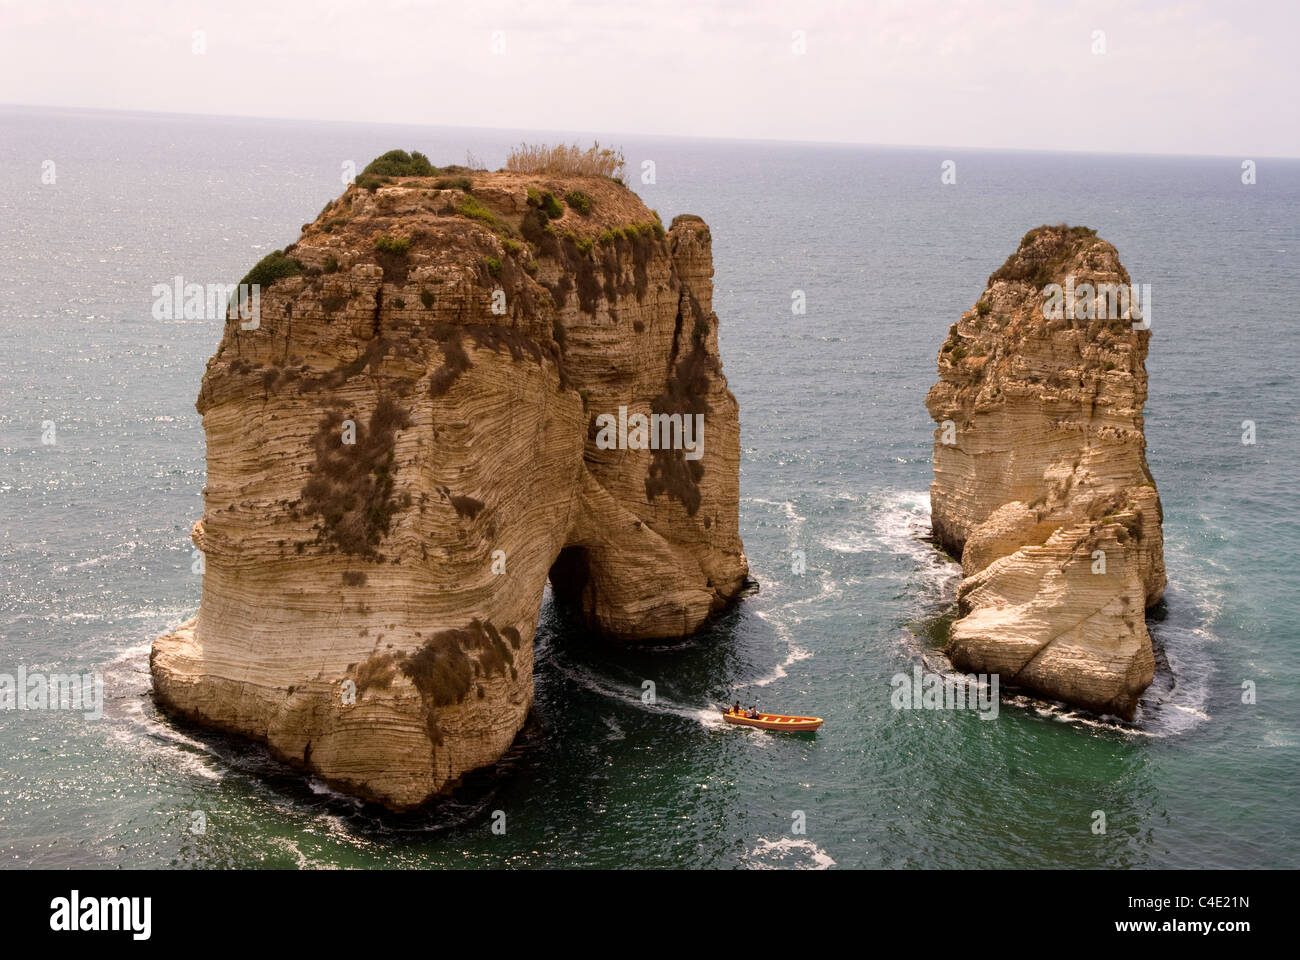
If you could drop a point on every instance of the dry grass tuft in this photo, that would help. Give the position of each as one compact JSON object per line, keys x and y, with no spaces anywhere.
{"x":567,"y":160}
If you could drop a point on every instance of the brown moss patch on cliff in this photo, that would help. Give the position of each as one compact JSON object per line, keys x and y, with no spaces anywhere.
{"x":351,"y":488}
{"x":687,"y":393}
{"x":466,"y":507}
{"x":446,"y":665}
{"x":376,"y":672}
{"x":372,"y":356}
{"x":588,"y":282}
{"x":559,"y":290}
{"x":641,"y":247}
{"x":455,"y":360}
{"x":497,"y":338}
{"x":598,"y":265}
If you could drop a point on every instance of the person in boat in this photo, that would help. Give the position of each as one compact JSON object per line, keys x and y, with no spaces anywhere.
{"x":753,"y":711}
{"x":736,"y":708}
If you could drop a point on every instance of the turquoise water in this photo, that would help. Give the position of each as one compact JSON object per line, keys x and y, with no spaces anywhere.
{"x":95,"y":557}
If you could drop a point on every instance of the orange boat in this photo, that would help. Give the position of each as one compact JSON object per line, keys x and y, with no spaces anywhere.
{"x":774,"y":721}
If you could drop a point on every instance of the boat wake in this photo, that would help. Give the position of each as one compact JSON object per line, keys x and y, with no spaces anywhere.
{"x":631,"y":695}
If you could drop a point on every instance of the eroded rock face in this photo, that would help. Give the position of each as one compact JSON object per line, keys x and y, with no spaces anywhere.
{"x":469,"y":341}
{"x":1041,"y":484}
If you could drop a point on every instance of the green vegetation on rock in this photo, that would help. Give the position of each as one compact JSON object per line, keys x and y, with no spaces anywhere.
{"x":551,"y":206}
{"x":399,"y":163}
{"x":472,"y":208}
{"x":276,"y":265}
{"x":387,"y":244}
{"x":578,"y":201}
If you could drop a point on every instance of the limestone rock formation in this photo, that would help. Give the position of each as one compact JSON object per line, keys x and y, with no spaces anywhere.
{"x":403,"y":446}
{"x":1041,"y":484}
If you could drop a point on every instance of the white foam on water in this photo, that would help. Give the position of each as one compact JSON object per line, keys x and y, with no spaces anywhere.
{"x":935,"y":662}
{"x":757,"y":737}
{"x":1177,"y":698}
{"x":851,"y":541}
{"x":783,"y":624}
{"x":127,"y":683}
{"x":786,"y":507}
{"x":290,"y":847}
{"x":783,"y":617}
{"x":896,"y":523}
{"x":197,"y":764}
{"x":1279,"y":738}
{"x":350,"y":799}
{"x":133,"y":655}
{"x":123,"y":551}
{"x":805,"y":854}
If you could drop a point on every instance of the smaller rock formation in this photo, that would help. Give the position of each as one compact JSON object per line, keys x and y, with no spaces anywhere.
{"x":1041,"y":484}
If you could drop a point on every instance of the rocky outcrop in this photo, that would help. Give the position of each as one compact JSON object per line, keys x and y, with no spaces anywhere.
{"x":406,"y":443}
{"x":1041,"y":484}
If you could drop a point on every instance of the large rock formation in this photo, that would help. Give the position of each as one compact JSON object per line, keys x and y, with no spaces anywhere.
{"x":368,"y":607}
{"x":1041,"y":484}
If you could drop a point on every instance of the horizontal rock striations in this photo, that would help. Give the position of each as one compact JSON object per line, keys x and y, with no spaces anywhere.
{"x":1041,"y":484}
{"x":406,"y":442}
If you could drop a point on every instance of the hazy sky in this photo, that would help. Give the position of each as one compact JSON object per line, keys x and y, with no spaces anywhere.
{"x":1175,"y":77}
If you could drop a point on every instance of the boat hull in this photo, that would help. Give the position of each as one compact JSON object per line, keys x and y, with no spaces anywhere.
{"x":775,"y":721}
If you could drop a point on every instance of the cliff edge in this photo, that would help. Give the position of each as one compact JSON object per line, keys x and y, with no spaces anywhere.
{"x":1041,"y":484}
{"x":437,"y":407}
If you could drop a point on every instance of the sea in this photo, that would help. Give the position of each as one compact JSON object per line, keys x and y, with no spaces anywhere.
{"x":102,"y":473}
